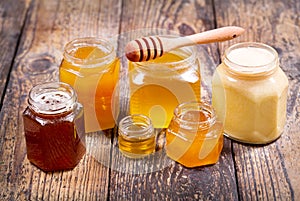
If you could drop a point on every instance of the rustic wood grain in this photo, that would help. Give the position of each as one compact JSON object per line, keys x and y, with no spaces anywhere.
{"x":49,"y":26}
{"x":172,"y":181}
{"x":33,"y":34}
{"x":270,"y":172}
{"x":12,"y":17}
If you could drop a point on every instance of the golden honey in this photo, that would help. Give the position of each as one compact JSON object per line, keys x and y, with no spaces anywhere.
{"x":158,"y":86}
{"x":91,"y":67}
{"x":195,"y":135}
{"x":136,"y":136}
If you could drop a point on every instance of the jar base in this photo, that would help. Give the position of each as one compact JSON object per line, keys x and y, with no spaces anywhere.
{"x":135,"y":156}
{"x":194,"y":165}
{"x":250,"y":143}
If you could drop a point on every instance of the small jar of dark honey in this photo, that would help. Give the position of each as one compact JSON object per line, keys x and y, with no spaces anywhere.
{"x":54,"y":127}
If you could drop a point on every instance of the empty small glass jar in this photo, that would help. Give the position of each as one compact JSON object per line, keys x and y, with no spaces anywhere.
{"x":195,"y":135}
{"x":54,"y":127}
{"x":136,"y":136}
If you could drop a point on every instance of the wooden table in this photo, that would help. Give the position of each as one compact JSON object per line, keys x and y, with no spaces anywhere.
{"x":33,"y":34}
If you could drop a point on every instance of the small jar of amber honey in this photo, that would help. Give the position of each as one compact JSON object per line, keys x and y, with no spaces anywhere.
{"x":91,"y":67}
{"x":54,"y":127}
{"x":136,"y":136}
{"x":195,"y":135}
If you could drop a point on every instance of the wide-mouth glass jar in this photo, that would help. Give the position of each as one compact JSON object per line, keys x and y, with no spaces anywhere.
{"x":250,"y":92}
{"x":158,"y":86}
{"x":91,"y":67}
{"x":54,"y":127}
{"x":136,"y":136}
{"x":195,"y":135}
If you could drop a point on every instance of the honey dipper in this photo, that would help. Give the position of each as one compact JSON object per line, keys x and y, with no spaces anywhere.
{"x":151,"y":47}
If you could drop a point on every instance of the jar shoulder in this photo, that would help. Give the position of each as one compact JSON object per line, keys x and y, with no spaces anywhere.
{"x":278,"y":77}
{"x":42,"y":119}
{"x":274,"y":85}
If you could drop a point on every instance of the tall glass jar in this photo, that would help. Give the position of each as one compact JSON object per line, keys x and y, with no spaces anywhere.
{"x":54,"y":127}
{"x":158,"y":86}
{"x":195,"y":135}
{"x":250,"y":92}
{"x":91,"y":67}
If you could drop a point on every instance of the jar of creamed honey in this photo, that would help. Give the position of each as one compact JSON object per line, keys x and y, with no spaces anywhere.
{"x":249,"y":90}
{"x":91,"y":67}
{"x":158,"y":86}
{"x":54,"y":127}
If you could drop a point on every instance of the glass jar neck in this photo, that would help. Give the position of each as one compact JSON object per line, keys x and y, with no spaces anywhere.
{"x":52,"y":98}
{"x":250,"y":59}
{"x":102,"y":54}
{"x":176,"y":60}
{"x":136,"y":126}
{"x":195,"y":115}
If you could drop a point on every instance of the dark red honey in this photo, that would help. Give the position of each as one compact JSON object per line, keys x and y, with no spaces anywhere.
{"x":55,"y":139}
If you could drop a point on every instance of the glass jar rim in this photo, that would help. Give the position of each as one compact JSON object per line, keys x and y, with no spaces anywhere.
{"x":192,"y":106}
{"x":190,"y":51}
{"x":102,"y":43}
{"x":38,"y":93}
{"x":251,"y":70}
{"x":143,"y":132}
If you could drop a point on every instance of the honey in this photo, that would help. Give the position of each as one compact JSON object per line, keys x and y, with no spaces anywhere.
{"x":158,"y":86}
{"x":136,"y":136}
{"x":90,"y":66}
{"x":54,"y":127}
{"x":195,"y":135}
{"x":250,"y":92}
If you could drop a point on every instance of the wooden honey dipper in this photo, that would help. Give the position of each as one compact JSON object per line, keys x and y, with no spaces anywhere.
{"x":151,"y":47}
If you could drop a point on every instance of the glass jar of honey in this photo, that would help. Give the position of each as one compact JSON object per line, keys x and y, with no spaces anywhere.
{"x":195,"y":135}
{"x":158,"y":86}
{"x":249,"y":90}
{"x":136,"y":137}
{"x":91,"y":67}
{"x":54,"y":127}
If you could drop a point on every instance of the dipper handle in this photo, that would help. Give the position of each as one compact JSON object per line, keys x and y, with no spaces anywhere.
{"x":151,"y":47}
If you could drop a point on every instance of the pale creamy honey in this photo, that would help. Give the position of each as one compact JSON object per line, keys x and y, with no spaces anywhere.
{"x":250,"y":93}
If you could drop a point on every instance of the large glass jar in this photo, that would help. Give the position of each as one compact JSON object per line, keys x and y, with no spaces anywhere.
{"x":158,"y":86}
{"x":250,"y":92}
{"x":54,"y":127}
{"x":91,"y":67}
{"x":195,"y":135}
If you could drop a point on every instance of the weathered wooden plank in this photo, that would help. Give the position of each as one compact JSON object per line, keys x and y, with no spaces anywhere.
{"x":48,"y":27}
{"x":12,"y":16}
{"x":270,"y":171}
{"x":165,"y":180}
